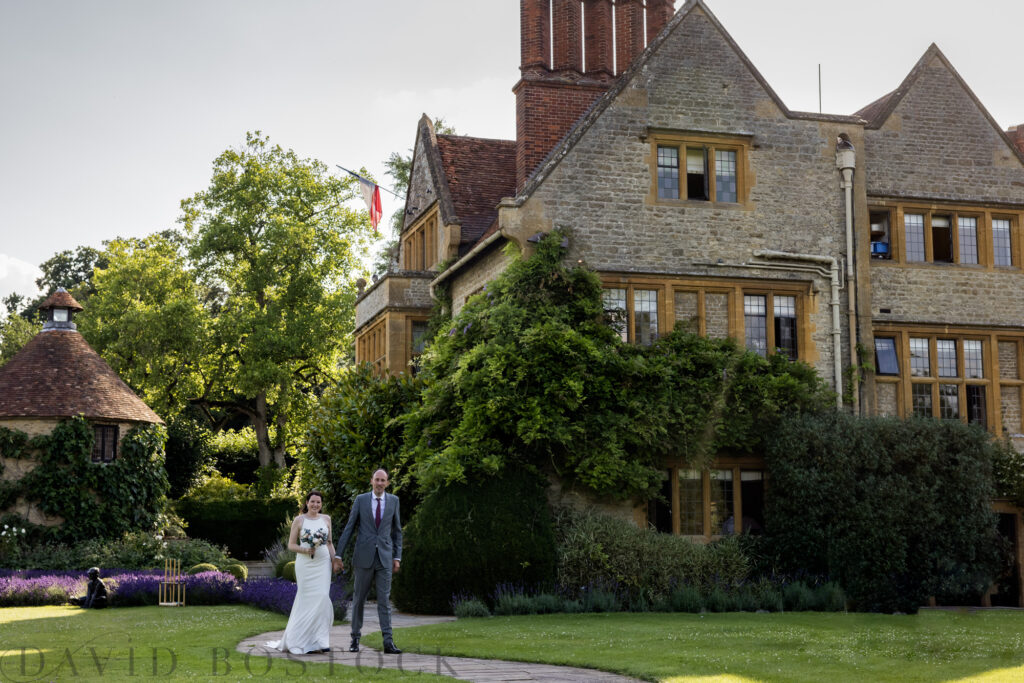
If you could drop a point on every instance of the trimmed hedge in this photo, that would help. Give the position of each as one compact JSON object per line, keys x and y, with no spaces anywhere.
{"x":246,"y":527}
{"x":894,"y":510}
{"x":469,"y":539}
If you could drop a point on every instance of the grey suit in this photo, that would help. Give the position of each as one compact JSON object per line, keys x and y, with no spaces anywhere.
{"x":375,"y":549}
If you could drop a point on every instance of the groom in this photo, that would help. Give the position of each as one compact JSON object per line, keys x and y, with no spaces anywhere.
{"x":378,"y":526}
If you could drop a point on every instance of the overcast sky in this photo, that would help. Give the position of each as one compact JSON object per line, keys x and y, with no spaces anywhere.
{"x":113,"y":110}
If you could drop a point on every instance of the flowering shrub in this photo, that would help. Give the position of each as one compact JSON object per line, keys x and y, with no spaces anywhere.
{"x":11,"y":540}
{"x":137,"y":588}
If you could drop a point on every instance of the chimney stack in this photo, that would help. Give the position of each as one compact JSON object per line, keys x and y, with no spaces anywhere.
{"x":629,"y":32}
{"x":600,"y":46}
{"x":567,"y":29}
{"x":1016,"y":135}
{"x":658,"y":14}
{"x":560,"y":79}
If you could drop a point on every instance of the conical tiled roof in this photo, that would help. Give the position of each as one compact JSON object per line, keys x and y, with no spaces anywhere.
{"x":60,"y":298}
{"x":57,"y":374}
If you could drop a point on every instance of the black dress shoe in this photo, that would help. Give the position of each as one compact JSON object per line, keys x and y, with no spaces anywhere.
{"x":390,"y":649}
{"x":354,"y":647}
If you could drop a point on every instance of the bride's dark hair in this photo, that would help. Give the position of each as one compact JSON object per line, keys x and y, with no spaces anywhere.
{"x":314,"y":492}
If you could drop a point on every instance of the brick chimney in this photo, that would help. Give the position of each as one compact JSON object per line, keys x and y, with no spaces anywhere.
{"x":567,"y":63}
{"x":1016,"y":135}
{"x":658,"y":14}
{"x":629,"y":32}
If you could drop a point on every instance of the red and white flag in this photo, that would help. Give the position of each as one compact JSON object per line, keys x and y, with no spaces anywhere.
{"x":371,"y":193}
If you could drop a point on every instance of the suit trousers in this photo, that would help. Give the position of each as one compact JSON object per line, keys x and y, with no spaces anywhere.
{"x":381,"y":576}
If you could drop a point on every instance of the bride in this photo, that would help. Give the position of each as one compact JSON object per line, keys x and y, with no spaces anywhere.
{"x":312,"y":615}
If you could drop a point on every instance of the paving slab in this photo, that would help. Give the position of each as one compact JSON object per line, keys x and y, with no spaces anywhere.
{"x":460,"y":668}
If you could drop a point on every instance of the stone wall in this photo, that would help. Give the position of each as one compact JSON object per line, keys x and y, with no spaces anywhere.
{"x":938,"y":144}
{"x":697,"y":83}
{"x":405,"y":289}
{"x":474,"y":276}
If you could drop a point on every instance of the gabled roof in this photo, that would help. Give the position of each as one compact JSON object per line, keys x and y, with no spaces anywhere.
{"x":479,"y":173}
{"x":878,"y":112}
{"x":57,"y":374}
{"x":639,"y":63}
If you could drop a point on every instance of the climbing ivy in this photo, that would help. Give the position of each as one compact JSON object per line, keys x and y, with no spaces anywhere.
{"x":94,"y":500}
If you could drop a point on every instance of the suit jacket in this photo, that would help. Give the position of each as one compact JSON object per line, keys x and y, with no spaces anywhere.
{"x":370,"y":540}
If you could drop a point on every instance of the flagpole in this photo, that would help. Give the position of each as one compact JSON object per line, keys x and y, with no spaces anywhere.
{"x":353,"y":173}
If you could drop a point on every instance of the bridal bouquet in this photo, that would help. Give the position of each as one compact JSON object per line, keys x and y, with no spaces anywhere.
{"x":313,"y":539}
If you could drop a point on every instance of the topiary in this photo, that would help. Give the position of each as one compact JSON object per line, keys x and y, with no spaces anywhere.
{"x":469,"y":539}
{"x":288,"y":572}
{"x":203,"y":567}
{"x":237,"y":570}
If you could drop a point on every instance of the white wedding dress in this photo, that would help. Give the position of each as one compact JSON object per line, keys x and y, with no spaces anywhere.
{"x":309,"y":624}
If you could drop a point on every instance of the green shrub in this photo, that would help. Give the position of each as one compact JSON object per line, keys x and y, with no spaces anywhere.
{"x":598,"y":548}
{"x":686,"y":598}
{"x":188,"y":455}
{"x":202,"y":567}
{"x":720,"y":600}
{"x":600,"y":600}
{"x":798,"y":597}
{"x":193,"y":551}
{"x":747,"y":600}
{"x":288,"y":571}
{"x":239,"y":571}
{"x":767,"y":595}
{"x":830,"y":597}
{"x":546,"y":603}
{"x":472,"y":607}
{"x":246,"y":527}
{"x":513,"y":602}
{"x":893,"y":510}
{"x":470,"y":539}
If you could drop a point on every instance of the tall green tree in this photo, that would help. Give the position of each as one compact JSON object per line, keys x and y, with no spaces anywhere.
{"x":258,"y":300}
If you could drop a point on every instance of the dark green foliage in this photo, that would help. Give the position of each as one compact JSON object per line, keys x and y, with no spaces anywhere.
{"x":135,"y":550}
{"x":686,"y":598}
{"x":719,"y":600}
{"x":354,"y":432}
{"x":202,"y":567}
{"x":531,"y":375}
{"x":595,"y":548}
{"x":246,"y":527}
{"x":894,"y":510}
{"x":188,"y":454}
{"x":1008,"y":471}
{"x":798,"y":597}
{"x":96,"y":501}
{"x":288,"y":572}
{"x":470,"y":608}
{"x":472,"y":539}
{"x":239,"y":571}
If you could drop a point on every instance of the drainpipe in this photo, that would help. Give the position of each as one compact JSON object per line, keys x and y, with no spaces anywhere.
{"x":846,"y":162}
{"x":833,"y":274}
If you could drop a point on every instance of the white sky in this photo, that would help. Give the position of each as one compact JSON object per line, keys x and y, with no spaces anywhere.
{"x":113,"y":110}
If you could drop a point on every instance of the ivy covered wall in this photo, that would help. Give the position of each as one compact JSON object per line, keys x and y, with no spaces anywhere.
{"x":94,"y":500}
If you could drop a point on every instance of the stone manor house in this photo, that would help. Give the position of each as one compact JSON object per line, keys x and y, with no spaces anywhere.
{"x":698,"y":196}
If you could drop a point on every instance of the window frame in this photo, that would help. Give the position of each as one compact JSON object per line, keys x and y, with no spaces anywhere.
{"x":737,"y":467}
{"x":710,"y":144}
{"x":906,"y":381}
{"x":734,"y":290}
{"x":421,"y":242}
{"x":104,"y":435}
{"x":984,"y":238}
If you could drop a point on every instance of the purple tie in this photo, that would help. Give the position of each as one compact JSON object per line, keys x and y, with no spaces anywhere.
{"x":376,"y":517}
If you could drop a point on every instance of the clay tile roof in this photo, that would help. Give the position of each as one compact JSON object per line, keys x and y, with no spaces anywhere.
{"x":480,"y":172}
{"x":61,"y":298}
{"x":57,"y":374}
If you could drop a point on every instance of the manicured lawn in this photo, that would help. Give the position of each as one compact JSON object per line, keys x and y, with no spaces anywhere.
{"x":932,"y":646}
{"x":68,"y":643}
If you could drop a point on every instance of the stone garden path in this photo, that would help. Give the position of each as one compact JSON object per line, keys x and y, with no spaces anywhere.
{"x":461,"y":668}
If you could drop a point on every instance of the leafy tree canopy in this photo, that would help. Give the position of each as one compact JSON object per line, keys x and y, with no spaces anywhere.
{"x":249,"y":310}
